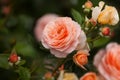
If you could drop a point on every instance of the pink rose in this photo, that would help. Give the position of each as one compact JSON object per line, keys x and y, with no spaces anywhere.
{"x":41,"y":23}
{"x":62,"y":36}
{"x":108,"y":62}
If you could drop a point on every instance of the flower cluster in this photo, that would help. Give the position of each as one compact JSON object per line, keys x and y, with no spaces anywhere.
{"x":62,"y":36}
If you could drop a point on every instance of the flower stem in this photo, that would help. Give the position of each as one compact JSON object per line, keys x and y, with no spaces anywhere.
{"x":59,"y":65}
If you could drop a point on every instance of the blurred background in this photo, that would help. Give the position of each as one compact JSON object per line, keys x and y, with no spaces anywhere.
{"x":17,"y":22}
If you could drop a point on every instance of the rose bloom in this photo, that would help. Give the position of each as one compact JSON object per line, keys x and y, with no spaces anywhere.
{"x":70,"y":76}
{"x":67,"y":76}
{"x":41,"y":23}
{"x":108,"y":15}
{"x":62,"y":36}
{"x":107,"y":62}
{"x":89,"y":76}
{"x":80,"y":58}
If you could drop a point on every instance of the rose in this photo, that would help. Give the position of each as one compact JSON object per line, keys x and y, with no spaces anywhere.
{"x":70,"y":76}
{"x":67,"y":76}
{"x":41,"y":24}
{"x":108,"y":16}
{"x":80,"y":58}
{"x":62,"y":36}
{"x":107,"y":62}
{"x":89,"y":76}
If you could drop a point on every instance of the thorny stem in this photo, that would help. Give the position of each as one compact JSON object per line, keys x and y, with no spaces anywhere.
{"x":91,"y":40}
{"x":59,"y":64}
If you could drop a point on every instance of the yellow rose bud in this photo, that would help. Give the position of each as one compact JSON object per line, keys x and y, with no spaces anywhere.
{"x":70,"y":76}
{"x":108,"y":16}
{"x":67,"y":76}
{"x":81,"y":58}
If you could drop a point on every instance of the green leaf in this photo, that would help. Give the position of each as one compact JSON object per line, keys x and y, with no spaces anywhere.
{"x":25,"y":48}
{"x":4,"y":61}
{"x":100,"y":42}
{"x":22,"y":62}
{"x":24,"y":73}
{"x":77,"y":16}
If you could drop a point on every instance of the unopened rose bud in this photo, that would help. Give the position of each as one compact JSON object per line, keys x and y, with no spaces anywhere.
{"x":88,"y":4}
{"x":14,"y":59}
{"x":48,"y":76}
{"x":6,"y":10}
{"x":112,"y":34}
{"x":106,"y":31}
{"x":61,"y":67}
{"x":93,"y":22}
{"x":70,"y":76}
{"x":80,"y":58}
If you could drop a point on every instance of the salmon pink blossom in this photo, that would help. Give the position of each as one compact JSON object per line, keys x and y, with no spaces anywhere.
{"x":62,"y":36}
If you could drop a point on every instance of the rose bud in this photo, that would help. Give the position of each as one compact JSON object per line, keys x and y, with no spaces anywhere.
{"x":48,"y":76}
{"x":89,"y":76}
{"x":88,"y":4}
{"x":106,"y":31}
{"x":14,"y":59}
{"x":61,"y":67}
{"x":6,"y":10}
{"x":112,"y":34}
{"x":80,"y":58}
{"x":67,"y":76}
{"x":70,"y":76}
{"x":93,"y":22}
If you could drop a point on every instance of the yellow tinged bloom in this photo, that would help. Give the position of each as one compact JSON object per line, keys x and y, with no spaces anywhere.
{"x":67,"y":76}
{"x":70,"y":76}
{"x":108,"y":16}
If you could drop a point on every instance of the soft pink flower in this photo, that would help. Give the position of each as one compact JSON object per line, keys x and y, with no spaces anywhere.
{"x":108,"y":62}
{"x":62,"y":36}
{"x":41,"y":23}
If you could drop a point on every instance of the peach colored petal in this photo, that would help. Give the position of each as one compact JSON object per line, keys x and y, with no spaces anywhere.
{"x":82,"y":42}
{"x":89,"y":76}
{"x":98,"y":57}
{"x":41,"y":24}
